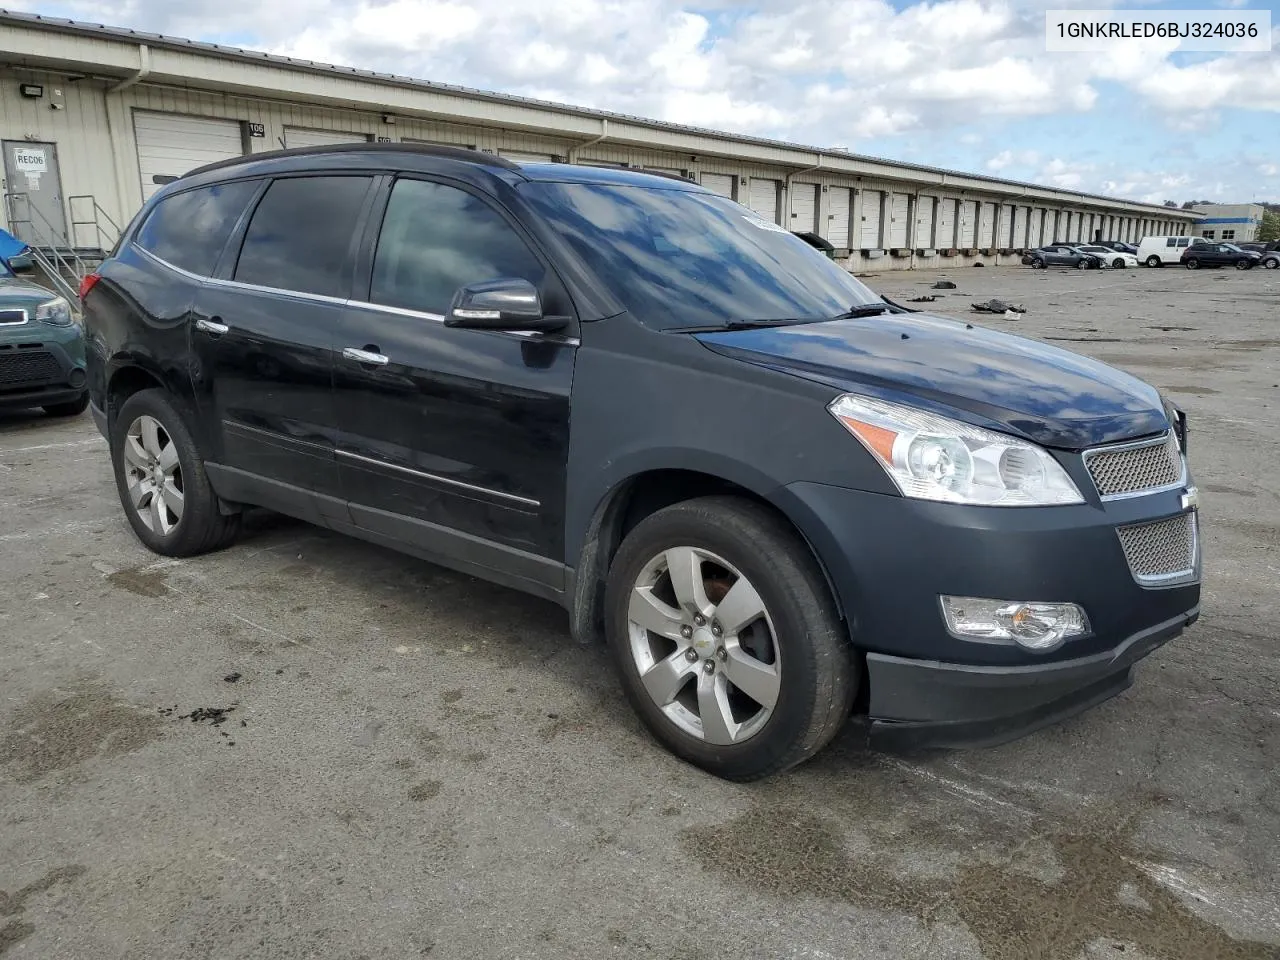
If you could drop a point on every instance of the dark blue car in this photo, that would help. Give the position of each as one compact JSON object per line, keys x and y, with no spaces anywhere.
{"x":774,"y":495}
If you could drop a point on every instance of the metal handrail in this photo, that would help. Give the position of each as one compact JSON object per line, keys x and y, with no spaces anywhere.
{"x":47,"y":236}
{"x":98,"y":215}
{"x":68,"y":292}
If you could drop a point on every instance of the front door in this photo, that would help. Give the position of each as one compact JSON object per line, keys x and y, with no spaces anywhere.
{"x":34,"y":189}
{"x":454,"y":440}
{"x":264,"y":332}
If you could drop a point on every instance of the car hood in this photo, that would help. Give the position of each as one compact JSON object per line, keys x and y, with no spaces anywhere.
{"x":20,"y":293}
{"x":1041,"y":393}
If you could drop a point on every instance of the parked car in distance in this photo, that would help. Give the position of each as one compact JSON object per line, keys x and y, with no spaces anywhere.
{"x":1116,"y":259}
{"x":1157,"y":251}
{"x":772,"y":493}
{"x":1062,"y":255}
{"x":41,"y":349}
{"x":1119,"y":245}
{"x":1219,"y":255}
{"x":1269,"y":249}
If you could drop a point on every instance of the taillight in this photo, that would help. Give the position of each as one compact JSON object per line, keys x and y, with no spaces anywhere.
{"x":88,"y":283}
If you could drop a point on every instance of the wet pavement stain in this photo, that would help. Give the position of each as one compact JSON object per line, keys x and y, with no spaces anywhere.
{"x":425,"y":790}
{"x":13,"y":904}
{"x":145,"y":583}
{"x":49,"y":734}
{"x":1011,"y":914}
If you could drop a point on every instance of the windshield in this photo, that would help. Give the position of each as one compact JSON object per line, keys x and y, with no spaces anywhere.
{"x":677,"y":258}
{"x":5,"y":270}
{"x":1096,"y":250}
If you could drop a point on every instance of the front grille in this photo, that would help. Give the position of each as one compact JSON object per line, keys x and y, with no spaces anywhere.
{"x":28,"y":368}
{"x":1163,"y":550}
{"x":1132,"y":468}
{"x":13,"y":316}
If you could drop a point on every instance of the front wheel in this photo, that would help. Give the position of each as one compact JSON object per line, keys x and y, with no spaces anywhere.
{"x":1193,"y":263}
{"x":1153,"y":261}
{"x":1118,"y":263}
{"x":1037,"y":264}
{"x":726,"y":638}
{"x":1082,"y":265}
{"x":1243,"y":264}
{"x":161,"y":480}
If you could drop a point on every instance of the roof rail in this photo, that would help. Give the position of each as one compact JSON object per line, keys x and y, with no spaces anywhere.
{"x":464,"y":154}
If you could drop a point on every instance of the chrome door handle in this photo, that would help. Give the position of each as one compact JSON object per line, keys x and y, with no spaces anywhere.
{"x":365,"y":356}
{"x":212,"y":326}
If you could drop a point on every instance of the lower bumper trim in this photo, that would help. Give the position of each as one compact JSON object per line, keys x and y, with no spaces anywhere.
{"x":923,"y":703}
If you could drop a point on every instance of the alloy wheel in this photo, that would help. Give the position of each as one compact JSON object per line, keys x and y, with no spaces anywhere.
{"x":704,"y":645}
{"x":153,"y":475}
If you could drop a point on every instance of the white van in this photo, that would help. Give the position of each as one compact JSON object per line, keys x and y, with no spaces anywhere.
{"x":1157,"y":251}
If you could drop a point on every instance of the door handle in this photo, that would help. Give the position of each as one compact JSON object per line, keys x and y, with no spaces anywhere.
{"x":212,"y":326}
{"x":365,"y":356}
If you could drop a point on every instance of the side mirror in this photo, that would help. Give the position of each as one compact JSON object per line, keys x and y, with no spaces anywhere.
{"x":21,"y":264}
{"x":504,"y":304}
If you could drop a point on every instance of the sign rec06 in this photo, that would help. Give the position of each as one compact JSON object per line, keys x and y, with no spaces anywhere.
{"x":30,"y":161}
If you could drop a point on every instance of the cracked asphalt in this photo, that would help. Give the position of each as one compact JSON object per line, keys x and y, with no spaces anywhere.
{"x":306,"y":746}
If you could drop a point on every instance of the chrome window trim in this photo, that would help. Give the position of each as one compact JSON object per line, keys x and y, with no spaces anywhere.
{"x":1160,"y":440}
{"x":423,"y":475}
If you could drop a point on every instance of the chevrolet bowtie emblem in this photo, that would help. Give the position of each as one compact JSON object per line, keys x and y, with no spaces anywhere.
{"x":1191,"y":499}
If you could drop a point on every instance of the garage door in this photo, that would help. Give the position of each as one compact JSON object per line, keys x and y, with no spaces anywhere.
{"x":872,"y":200}
{"x":986,"y":225}
{"x":804,"y":207}
{"x":924,"y":221}
{"x":522,"y":156}
{"x":762,"y":197}
{"x":302,"y":137}
{"x":838,"y":205}
{"x":1037,"y":228}
{"x":170,"y":145}
{"x":898,"y":206}
{"x":946,"y":232}
{"x":721,"y":183}
{"x":968,"y":223}
{"x":1020,"y":228}
{"x":1008,"y":226}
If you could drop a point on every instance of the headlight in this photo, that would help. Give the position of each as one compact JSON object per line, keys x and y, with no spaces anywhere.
{"x":929,"y":457}
{"x":56,"y":311}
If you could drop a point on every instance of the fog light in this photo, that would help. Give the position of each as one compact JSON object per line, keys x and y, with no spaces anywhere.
{"x":1036,"y":626}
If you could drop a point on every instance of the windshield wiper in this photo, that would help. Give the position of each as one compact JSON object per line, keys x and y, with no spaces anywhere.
{"x":864,"y":310}
{"x":741,"y":325}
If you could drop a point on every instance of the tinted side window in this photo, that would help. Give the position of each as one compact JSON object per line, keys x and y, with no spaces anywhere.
{"x":300,"y":235}
{"x":435,"y":239}
{"x":1171,"y":242}
{"x":190,"y":229}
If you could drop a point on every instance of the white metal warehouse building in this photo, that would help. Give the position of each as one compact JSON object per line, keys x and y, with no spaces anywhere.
{"x":93,"y":119}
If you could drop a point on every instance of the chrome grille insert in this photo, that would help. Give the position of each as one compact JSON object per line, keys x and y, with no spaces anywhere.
{"x":1162,"y":551}
{"x":1132,"y":469}
{"x":14,"y":317}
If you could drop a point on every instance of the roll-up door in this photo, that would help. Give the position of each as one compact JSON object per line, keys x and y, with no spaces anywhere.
{"x":968,"y":223}
{"x":302,"y":137}
{"x":1008,"y":226}
{"x":987,"y":225}
{"x":871,"y":203}
{"x":1079,"y":227}
{"x":1020,"y":240}
{"x":946,"y":232}
{"x":1035,"y":237}
{"x":924,"y":221}
{"x":721,"y":183}
{"x":804,"y":207}
{"x":762,"y":197}
{"x":899,"y":205}
{"x":838,"y":204}
{"x":170,"y":145}
{"x":524,"y":156}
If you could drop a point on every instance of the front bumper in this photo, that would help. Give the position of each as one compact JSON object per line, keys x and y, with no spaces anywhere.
{"x":921,"y":703}
{"x":890,"y":558}
{"x":34,"y":373}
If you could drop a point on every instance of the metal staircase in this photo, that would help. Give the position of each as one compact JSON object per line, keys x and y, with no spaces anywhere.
{"x":64,"y":260}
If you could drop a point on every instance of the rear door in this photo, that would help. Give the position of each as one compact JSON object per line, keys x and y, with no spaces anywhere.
{"x":454,"y":441}
{"x":265,"y":330}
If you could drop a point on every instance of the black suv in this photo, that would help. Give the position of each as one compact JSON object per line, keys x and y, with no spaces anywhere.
{"x":1219,"y":255}
{"x":774,"y":494}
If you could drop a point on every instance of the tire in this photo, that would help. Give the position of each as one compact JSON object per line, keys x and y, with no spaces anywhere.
{"x":1192,"y":263}
{"x":1082,"y":265}
{"x":1244,"y":264}
{"x":813,"y":673}
{"x":1271,"y":263}
{"x":1038,"y":265}
{"x":72,"y":408}
{"x":1154,"y":261}
{"x":198,"y":526}
{"x":1118,"y":263}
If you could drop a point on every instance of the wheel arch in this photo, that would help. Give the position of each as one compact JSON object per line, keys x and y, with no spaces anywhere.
{"x":637,"y":495}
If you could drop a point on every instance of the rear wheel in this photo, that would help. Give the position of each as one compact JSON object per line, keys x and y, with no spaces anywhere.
{"x":726,"y":638}
{"x":1192,"y":263}
{"x":161,"y":479}
{"x":1271,"y":263}
{"x":1154,"y":261}
{"x":1118,"y":263}
{"x":1243,"y":264}
{"x":72,"y":408}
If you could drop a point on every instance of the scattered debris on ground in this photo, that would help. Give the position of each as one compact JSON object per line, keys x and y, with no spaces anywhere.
{"x":214,"y":715}
{"x":999,"y":306}
{"x":232,"y":678}
{"x":944,"y":285}
{"x":922,"y":299}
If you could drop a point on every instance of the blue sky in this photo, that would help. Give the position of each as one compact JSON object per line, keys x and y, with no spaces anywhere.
{"x":965,"y":84}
